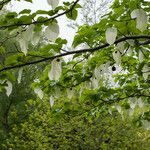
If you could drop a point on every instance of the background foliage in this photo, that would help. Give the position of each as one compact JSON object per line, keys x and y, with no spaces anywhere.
{"x":97,"y":99}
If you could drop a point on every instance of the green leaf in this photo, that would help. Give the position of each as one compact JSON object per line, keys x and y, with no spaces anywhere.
{"x":25,"y":11}
{"x":72,"y":14}
{"x":25,"y":19}
{"x":66,"y":3}
{"x":11,"y":15}
{"x":41,"y":19}
{"x":78,"y":6}
{"x":29,"y":1}
{"x":42,"y":12}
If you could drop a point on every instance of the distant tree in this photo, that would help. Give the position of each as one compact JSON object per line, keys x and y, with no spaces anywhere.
{"x":91,"y":12}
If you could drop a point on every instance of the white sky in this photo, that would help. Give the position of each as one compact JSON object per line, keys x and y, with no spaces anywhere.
{"x":65,"y":32}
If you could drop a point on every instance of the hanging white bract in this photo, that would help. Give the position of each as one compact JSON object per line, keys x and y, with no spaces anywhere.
{"x":24,"y":38}
{"x":130,"y":51}
{"x":117,"y":57}
{"x":121,"y":47}
{"x":140,"y":102}
{"x":8,"y":88}
{"x":81,"y":91}
{"x":87,"y":85}
{"x":98,"y":72}
{"x":111,"y":34}
{"x":51,"y":101}
{"x":70,"y":93}
{"x":85,"y":46}
{"x":141,"y":19}
{"x":131,"y":42}
{"x":52,"y":32}
{"x":146,"y":71}
{"x":53,"y":3}
{"x":146,"y":124}
{"x":39,"y":92}
{"x":23,"y":45}
{"x":19,"y":75}
{"x":101,"y":70}
{"x":55,"y":72}
{"x":110,"y":111}
{"x":131,"y":112}
{"x":36,"y":38}
{"x":57,"y":92}
{"x":133,"y":102}
{"x":119,"y":109}
{"x":95,"y":83}
{"x":28,"y":34}
{"x":141,"y":57}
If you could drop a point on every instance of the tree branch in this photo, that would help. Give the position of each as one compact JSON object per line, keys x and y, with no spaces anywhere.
{"x":76,"y":52}
{"x":39,"y":22}
{"x":4,"y":2}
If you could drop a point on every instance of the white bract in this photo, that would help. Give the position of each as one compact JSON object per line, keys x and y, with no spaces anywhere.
{"x":55,"y":72}
{"x":132,"y":102}
{"x":39,"y":92}
{"x":140,"y":102}
{"x":131,"y":112}
{"x":141,"y":19}
{"x":110,"y":111}
{"x":146,"y":124}
{"x":2,"y":81}
{"x":8,"y":88}
{"x":130,"y":51}
{"x":146,"y":71}
{"x":87,"y":85}
{"x":95,"y":83}
{"x":23,"y":45}
{"x":19,"y":75}
{"x":36,"y":80}
{"x":99,"y":71}
{"x":57,"y":93}
{"x":85,"y":46}
{"x":28,"y":34}
{"x":119,"y":109}
{"x":81,"y":90}
{"x":131,"y":42}
{"x":117,"y":57}
{"x":70,"y":92}
{"x":24,"y":38}
{"x":111,"y":34}
{"x":53,"y":3}
{"x":52,"y":32}
{"x":141,"y":57}
{"x":36,"y":38}
{"x":121,"y":47}
{"x":51,"y":101}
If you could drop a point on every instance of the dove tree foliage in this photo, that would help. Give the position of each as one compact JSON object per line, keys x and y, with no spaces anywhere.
{"x":108,"y":65}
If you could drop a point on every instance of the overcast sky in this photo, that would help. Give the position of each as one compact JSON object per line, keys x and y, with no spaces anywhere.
{"x":65,"y":32}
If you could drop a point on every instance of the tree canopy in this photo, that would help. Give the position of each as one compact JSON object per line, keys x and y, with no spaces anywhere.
{"x":96,"y":98}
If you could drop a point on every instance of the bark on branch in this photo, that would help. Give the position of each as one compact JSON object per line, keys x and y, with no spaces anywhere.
{"x":78,"y":51}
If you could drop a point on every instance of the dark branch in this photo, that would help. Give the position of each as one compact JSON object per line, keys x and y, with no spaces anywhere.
{"x":39,"y":22}
{"x":76,"y":52}
{"x":4,"y":2}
